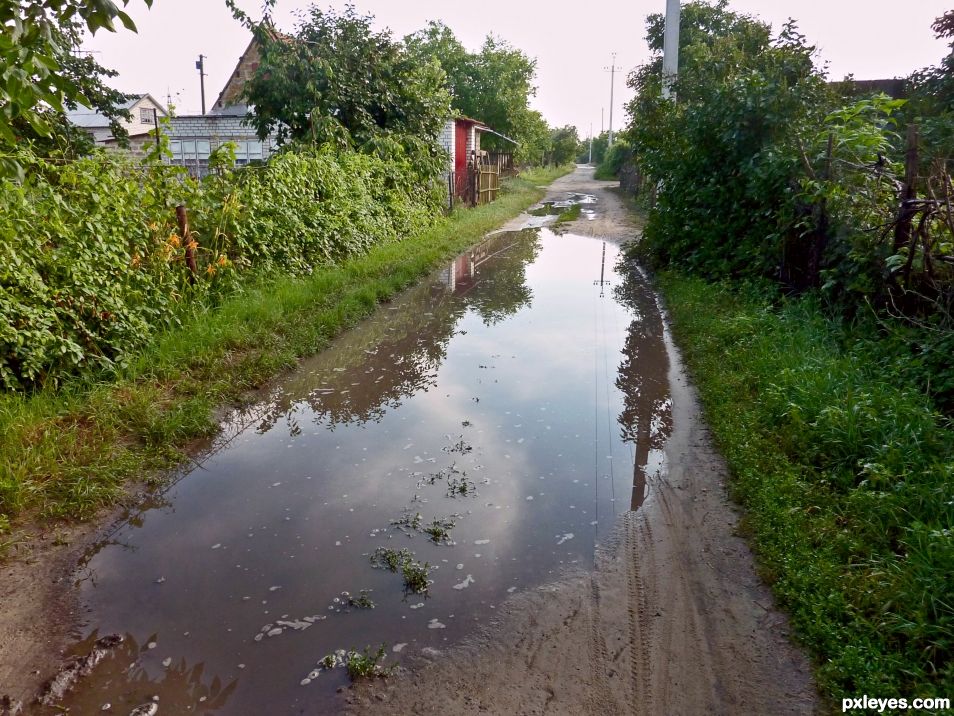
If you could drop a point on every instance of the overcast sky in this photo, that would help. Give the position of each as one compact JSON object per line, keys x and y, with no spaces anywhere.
{"x":571,"y":42}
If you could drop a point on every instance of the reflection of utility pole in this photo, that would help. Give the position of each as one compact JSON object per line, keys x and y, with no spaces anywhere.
{"x":612,"y":70}
{"x":200,"y":66}
{"x":602,"y":282}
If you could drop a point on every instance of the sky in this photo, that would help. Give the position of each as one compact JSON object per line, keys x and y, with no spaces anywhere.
{"x":572,"y":43}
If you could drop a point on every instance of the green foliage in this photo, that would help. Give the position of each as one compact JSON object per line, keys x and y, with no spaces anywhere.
{"x":764,"y":171}
{"x":366,"y":664}
{"x":600,"y":145}
{"x":724,"y":153}
{"x":847,"y":474}
{"x":93,"y":265}
{"x":416,"y":576}
{"x":339,"y":82}
{"x":613,"y":159}
{"x":66,"y":452}
{"x":40,"y":77}
{"x":390,"y":559}
{"x":564,"y":143}
{"x":493,"y":85}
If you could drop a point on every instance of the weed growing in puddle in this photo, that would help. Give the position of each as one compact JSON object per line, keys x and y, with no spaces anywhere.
{"x":457,"y":486}
{"x":390,"y":559}
{"x":408,"y":521}
{"x":444,"y":474}
{"x":366,"y":664}
{"x":358,"y":663}
{"x":416,"y":576}
{"x":439,"y":530}
{"x":460,"y":446}
{"x":361,"y":601}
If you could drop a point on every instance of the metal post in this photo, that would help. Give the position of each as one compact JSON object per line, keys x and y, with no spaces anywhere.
{"x":200,"y":66}
{"x":670,"y":69}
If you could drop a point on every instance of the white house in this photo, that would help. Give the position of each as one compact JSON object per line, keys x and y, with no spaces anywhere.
{"x":144,"y":111}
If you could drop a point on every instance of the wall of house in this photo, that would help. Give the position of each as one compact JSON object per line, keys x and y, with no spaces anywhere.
{"x":136,"y":126}
{"x":232,"y":92}
{"x":193,"y":138}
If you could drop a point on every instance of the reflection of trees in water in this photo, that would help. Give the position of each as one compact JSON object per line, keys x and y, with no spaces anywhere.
{"x":397,"y":353}
{"x":181,"y":688}
{"x":646,"y":418}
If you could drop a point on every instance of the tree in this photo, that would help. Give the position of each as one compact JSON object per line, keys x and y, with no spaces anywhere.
{"x":40,"y":77}
{"x":493,"y":85}
{"x":727,"y":154}
{"x":337,"y":80}
{"x":563,"y":145}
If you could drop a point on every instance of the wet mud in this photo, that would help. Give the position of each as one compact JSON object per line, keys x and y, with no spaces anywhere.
{"x":489,"y":425}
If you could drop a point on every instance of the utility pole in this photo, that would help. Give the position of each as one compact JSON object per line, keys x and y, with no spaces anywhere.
{"x":591,"y":144}
{"x":612,"y":70}
{"x":602,"y":124}
{"x":200,"y":66}
{"x":670,"y":68}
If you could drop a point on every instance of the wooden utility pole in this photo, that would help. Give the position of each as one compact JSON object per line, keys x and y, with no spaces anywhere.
{"x":200,"y":66}
{"x":902,"y":229}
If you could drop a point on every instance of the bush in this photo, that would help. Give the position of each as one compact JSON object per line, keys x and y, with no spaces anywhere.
{"x":92,"y":264}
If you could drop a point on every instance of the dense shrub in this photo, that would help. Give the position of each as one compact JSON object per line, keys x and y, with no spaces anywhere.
{"x":92,"y":264}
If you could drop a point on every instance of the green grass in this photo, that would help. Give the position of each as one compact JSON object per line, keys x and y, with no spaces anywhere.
{"x":68,"y":452}
{"x":847,"y":478}
{"x":571,"y":213}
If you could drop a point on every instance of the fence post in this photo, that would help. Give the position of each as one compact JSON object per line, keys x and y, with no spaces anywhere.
{"x":902,"y":229}
{"x":183,"y":218}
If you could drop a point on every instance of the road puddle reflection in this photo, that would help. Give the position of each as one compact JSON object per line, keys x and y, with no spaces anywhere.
{"x":482,"y":431}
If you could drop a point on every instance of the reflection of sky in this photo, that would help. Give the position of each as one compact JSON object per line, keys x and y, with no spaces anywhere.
{"x":280,"y":520}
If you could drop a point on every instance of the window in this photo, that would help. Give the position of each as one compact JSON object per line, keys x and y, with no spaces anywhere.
{"x":147,"y":115}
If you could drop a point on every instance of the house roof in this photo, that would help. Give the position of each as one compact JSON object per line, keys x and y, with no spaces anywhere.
{"x":88,"y":118}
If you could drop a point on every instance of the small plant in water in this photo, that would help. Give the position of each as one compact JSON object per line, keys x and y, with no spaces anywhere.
{"x":408,"y":521}
{"x":415,"y":576}
{"x":361,"y":601}
{"x":461,"y":486}
{"x":460,"y":446}
{"x":366,"y":664}
{"x":390,"y":559}
{"x":439,"y":530}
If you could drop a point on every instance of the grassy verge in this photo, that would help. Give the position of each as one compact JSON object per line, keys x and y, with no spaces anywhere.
{"x":67,"y":453}
{"x":847,"y":477}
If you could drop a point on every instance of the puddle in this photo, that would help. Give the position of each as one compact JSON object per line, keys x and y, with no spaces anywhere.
{"x":485,"y":427}
{"x":568,"y":209}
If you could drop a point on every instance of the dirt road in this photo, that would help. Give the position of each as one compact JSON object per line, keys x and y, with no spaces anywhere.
{"x":673,"y":619}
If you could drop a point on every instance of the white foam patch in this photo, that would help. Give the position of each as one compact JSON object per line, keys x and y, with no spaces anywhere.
{"x":468,"y":580}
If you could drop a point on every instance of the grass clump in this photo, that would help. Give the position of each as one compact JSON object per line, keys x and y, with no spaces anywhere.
{"x":365,"y":664}
{"x":408,"y":522}
{"x":362,"y":600}
{"x":571,"y":213}
{"x":416,"y":576}
{"x":461,"y":486}
{"x":439,"y":530}
{"x":390,"y":559}
{"x":847,"y":475}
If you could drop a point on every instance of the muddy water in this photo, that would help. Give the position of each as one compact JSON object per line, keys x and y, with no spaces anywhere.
{"x":513,"y":372}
